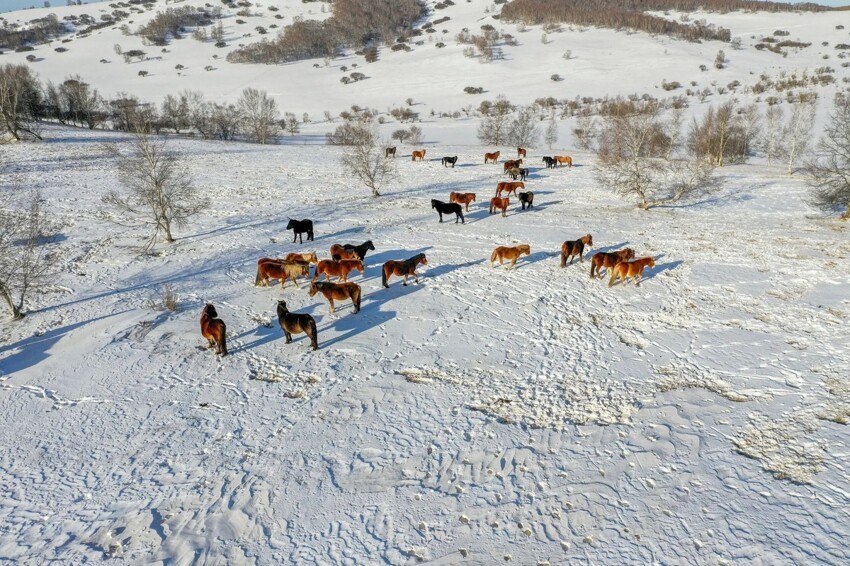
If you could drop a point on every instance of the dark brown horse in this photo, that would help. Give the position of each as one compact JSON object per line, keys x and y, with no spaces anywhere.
{"x":520,"y":152}
{"x":390,"y":151}
{"x":608,"y":260}
{"x":296,"y":323}
{"x":511,"y":163}
{"x":526,"y":199}
{"x":572,"y":248}
{"x":404,"y":268}
{"x":337,"y":292}
{"x":214,"y":329}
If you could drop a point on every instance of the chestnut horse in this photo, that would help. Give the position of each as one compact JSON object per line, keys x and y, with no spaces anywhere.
{"x":268,"y":269}
{"x":361,"y":249}
{"x":339,"y":252}
{"x":526,"y":199}
{"x":420,"y":153}
{"x":608,"y":260}
{"x":305,"y":257}
{"x":511,"y":163}
{"x":563,"y":159}
{"x":633,"y":269}
{"x":296,"y":323}
{"x":572,"y":248}
{"x":405,"y":268}
{"x":389,"y":151}
{"x":462,"y":198}
{"x":520,"y":152}
{"x":337,"y":292}
{"x":500,"y":203}
{"x":509,"y":187}
{"x":214,"y":329}
{"x":512,"y":253}
{"x":491,"y":157}
{"x":339,"y":269}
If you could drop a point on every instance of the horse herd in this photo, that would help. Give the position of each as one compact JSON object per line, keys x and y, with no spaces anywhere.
{"x":348,"y":258}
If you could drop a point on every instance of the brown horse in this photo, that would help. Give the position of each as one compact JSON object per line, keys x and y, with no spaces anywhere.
{"x":500,"y":203}
{"x":563,"y":159}
{"x":492,"y":157}
{"x":572,"y":248}
{"x":405,"y":268}
{"x":512,"y":253}
{"x":296,"y":323}
{"x":268,"y":269}
{"x":214,"y":329}
{"x":608,"y":260}
{"x":339,"y":252}
{"x":511,"y":163}
{"x":509,"y":187}
{"x":633,"y":269}
{"x":338,"y":292}
{"x":462,"y":198}
{"x":520,"y":152}
{"x":305,"y":257}
{"x":420,"y":153}
{"x":339,"y":269}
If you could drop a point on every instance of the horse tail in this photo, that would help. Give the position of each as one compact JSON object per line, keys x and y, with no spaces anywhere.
{"x":564,"y":255}
{"x":355,"y":297}
{"x":223,"y":339}
{"x":384,"y":276}
{"x":258,"y":279}
{"x":313,"y":333}
{"x":494,"y":256}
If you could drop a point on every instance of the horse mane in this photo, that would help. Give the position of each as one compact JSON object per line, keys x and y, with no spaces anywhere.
{"x":417,"y":257}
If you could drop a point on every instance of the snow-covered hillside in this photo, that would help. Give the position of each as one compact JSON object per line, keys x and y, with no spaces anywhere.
{"x":480,"y":416}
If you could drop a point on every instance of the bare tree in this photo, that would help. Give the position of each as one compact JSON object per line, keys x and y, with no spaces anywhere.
{"x":366,"y":160}
{"x":415,"y":137}
{"x":523,"y":130}
{"x":798,"y":131}
{"x":290,"y":124}
{"x":26,"y":233}
{"x":20,"y":98}
{"x":829,"y":173}
{"x":586,"y":130}
{"x":551,"y":135}
{"x":260,"y":113}
{"x":401,"y":135}
{"x":771,"y":139}
{"x":673,"y":130}
{"x":160,"y":190}
{"x":175,"y":112}
{"x":630,"y":151}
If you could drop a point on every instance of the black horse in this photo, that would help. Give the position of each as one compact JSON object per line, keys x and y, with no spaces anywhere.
{"x":293,"y":322}
{"x":389,"y":151}
{"x":549,"y":161}
{"x":448,"y":208}
{"x":299,"y":227}
{"x":361,"y":249}
{"x":450,"y":160}
{"x":526,"y":199}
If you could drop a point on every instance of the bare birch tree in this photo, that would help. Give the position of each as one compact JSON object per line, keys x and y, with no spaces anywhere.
{"x":260,"y":113}
{"x":26,"y":233}
{"x":771,"y":140}
{"x":160,"y":193}
{"x":551,"y":135}
{"x":20,"y":97}
{"x":798,"y":131}
{"x":829,"y":172}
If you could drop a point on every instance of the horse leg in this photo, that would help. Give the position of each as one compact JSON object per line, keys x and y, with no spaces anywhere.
{"x":288,"y":336}
{"x":441,"y":215}
{"x":332,"y":307}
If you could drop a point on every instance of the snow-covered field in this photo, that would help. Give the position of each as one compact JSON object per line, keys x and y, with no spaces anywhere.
{"x":479,"y":416}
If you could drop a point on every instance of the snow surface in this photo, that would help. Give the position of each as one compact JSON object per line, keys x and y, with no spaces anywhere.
{"x":478,"y":416}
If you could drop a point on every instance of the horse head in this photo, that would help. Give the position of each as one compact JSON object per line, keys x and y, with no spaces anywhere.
{"x":370,"y":245}
{"x":434,"y":203}
{"x":314,"y":288}
{"x":281,"y":308}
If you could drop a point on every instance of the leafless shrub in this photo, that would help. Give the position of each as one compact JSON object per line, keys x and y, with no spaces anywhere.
{"x":366,"y":160}
{"x":165,"y":299}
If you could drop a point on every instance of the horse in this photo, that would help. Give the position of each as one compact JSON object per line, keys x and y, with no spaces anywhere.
{"x":633,"y":269}
{"x":500,"y":203}
{"x":339,"y":252}
{"x":503,"y":253}
{"x":450,"y":160}
{"x":572,"y":248}
{"x":337,"y":292}
{"x":510,"y":164}
{"x":299,"y":227}
{"x":526,"y":199}
{"x":562,"y":159}
{"x":509,"y":187}
{"x":389,"y":151}
{"x":339,"y":269}
{"x":214,"y":329}
{"x":518,"y":172}
{"x":608,"y":260}
{"x":462,"y":198}
{"x":361,"y":249}
{"x":520,"y":152}
{"x":549,"y":161}
{"x":420,"y":153}
{"x":491,"y":157}
{"x":308,"y":257}
{"x":448,"y":208}
{"x":268,"y":269}
{"x":406,"y":268}
{"x":296,"y":323}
